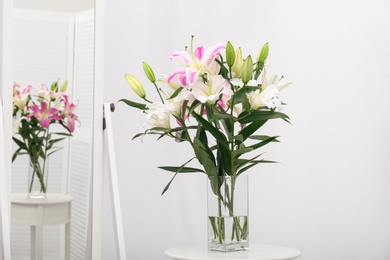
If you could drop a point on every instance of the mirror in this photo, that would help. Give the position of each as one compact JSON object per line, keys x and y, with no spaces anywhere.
{"x":54,"y":40}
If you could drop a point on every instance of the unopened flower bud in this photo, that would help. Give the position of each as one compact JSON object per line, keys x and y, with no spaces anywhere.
{"x":263,"y":53}
{"x":54,"y":86}
{"x":238,"y":62}
{"x":149,"y":72}
{"x":64,"y":86}
{"x":136,"y":86}
{"x":261,"y":59}
{"x":230,"y":56}
{"x":247,"y":70}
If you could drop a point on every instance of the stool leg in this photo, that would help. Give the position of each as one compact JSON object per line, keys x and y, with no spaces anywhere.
{"x":67,"y":241}
{"x":33,"y":243}
{"x":39,"y":233}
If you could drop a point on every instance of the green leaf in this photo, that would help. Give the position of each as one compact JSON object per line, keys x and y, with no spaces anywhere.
{"x":205,"y":157}
{"x":64,"y":134}
{"x":239,"y":138}
{"x":263,"y":137}
{"x":223,"y":70}
{"x":177,"y":91}
{"x":225,"y":155}
{"x":134,"y":104}
{"x":193,"y":106}
{"x":16,"y":153}
{"x":217,"y":115}
{"x":253,"y":164}
{"x":137,"y":135}
{"x":180,"y":169}
{"x":246,"y":117}
{"x":251,"y":128}
{"x":262,"y":143}
{"x":241,"y":162}
{"x":241,"y":151}
{"x":19,"y":143}
{"x":55,"y":150}
{"x":220,"y":137}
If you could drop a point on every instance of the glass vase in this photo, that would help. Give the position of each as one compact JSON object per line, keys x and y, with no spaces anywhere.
{"x":37,"y":179}
{"x":228,"y":227}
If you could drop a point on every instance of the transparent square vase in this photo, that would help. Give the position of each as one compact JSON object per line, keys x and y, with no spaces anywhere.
{"x":228,"y":226}
{"x":37,"y":180}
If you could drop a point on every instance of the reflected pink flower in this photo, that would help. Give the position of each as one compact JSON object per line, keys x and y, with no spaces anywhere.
{"x":44,"y":114}
{"x":21,"y":98}
{"x":67,"y":112}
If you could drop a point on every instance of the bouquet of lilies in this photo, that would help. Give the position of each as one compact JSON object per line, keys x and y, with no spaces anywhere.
{"x":34,"y":115}
{"x":216,"y":103}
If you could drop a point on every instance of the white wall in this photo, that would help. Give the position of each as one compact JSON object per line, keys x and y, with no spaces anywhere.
{"x":330,"y":195}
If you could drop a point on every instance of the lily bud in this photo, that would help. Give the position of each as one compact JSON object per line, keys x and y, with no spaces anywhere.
{"x":64,"y":86}
{"x":237,"y":67}
{"x":149,"y":72}
{"x":136,"y":86}
{"x":261,"y":59}
{"x":263,"y":53}
{"x":247,"y":70}
{"x":54,"y":86}
{"x":230,"y":56}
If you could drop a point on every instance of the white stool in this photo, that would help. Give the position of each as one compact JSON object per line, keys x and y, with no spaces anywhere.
{"x":54,"y":210}
{"x":255,"y":252}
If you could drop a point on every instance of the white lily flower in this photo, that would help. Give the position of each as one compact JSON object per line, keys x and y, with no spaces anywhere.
{"x":16,"y":121}
{"x":210,"y":91}
{"x":237,"y":82}
{"x":157,"y":116}
{"x":268,"y":95}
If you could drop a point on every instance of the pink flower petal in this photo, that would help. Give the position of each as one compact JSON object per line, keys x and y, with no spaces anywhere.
{"x":192,"y":75}
{"x":199,"y":52}
{"x":212,"y":52}
{"x":176,"y":73}
{"x":183,"y":55}
{"x":52,"y":111}
{"x":182,"y":81}
{"x":44,"y":122}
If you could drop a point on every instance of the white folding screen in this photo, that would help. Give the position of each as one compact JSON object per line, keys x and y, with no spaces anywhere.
{"x":49,"y":46}
{"x":80,"y":152}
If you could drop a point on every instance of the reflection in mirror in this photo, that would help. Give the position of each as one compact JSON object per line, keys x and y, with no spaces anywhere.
{"x":54,"y":40}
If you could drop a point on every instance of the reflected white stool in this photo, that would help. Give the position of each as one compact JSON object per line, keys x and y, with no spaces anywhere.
{"x":54,"y":210}
{"x":255,"y":252}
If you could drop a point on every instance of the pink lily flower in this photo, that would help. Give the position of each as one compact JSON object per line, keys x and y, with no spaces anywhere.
{"x":67,"y":112}
{"x":48,"y":94}
{"x":178,"y":79}
{"x":71,"y":119}
{"x":44,"y":114}
{"x":21,"y":98}
{"x":199,"y":62}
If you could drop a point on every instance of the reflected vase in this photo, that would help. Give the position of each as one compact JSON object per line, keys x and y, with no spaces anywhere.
{"x":228,"y":228}
{"x":37,"y":179}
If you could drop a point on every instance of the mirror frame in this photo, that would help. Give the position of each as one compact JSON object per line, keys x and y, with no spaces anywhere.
{"x":97,"y":165}
{"x":6,"y":75}
{"x":6,"y":79}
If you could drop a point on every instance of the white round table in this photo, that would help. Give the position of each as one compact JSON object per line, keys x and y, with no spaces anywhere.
{"x":255,"y":252}
{"x":54,"y":209}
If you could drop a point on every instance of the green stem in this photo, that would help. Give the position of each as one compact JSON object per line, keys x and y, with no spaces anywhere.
{"x":158,"y":91}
